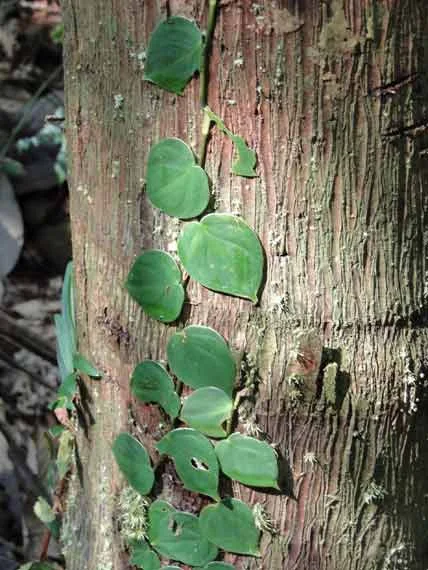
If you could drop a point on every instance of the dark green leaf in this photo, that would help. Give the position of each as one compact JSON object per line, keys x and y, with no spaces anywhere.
{"x":175,"y":184}
{"x":200,"y":357}
{"x":143,"y":556}
{"x":155,"y":283}
{"x":224,"y":254}
{"x":81,"y":364}
{"x":177,"y":535}
{"x":218,"y":566}
{"x":134,"y":462}
{"x":206,"y":410}
{"x":195,"y":460}
{"x":248,"y":461}
{"x":174,"y":54}
{"x":230,"y":525}
{"x":12,"y":168}
{"x":150,"y":382}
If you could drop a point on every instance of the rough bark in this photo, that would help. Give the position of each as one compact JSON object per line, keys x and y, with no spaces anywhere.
{"x":333,"y":98}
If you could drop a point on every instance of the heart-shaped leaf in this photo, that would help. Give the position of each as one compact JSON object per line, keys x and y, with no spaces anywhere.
{"x":195,"y":460}
{"x":150,"y":382}
{"x":200,"y":357}
{"x":155,"y":283}
{"x":174,"y":54}
{"x":82,"y":364}
{"x":134,"y":462}
{"x":230,"y":525}
{"x":143,"y":556}
{"x":248,"y":461}
{"x":224,"y":254}
{"x":178,"y":536}
{"x":175,"y":184}
{"x":206,"y":410}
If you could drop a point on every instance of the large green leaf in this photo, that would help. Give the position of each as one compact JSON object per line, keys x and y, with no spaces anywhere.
{"x":175,"y":184}
{"x":230,"y":525}
{"x":224,"y":254}
{"x":200,"y":357}
{"x":143,"y":556}
{"x":178,"y":536}
{"x":174,"y":54}
{"x":134,"y":462}
{"x":150,"y":382}
{"x":248,"y":460}
{"x":155,"y":283}
{"x":82,"y":364}
{"x":206,"y":410}
{"x":195,"y":460}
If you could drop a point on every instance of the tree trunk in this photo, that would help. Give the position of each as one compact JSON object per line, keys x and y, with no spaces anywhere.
{"x":333,"y":97}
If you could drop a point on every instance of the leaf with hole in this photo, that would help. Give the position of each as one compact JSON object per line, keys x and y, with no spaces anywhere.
{"x":143,"y":556}
{"x":195,"y":460}
{"x":82,"y":364}
{"x":150,"y":382}
{"x":248,"y":461}
{"x":177,"y":535}
{"x":200,"y":357}
{"x":134,"y":463}
{"x":224,"y":254}
{"x":206,"y":410}
{"x":175,"y":184}
{"x":230,"y":525}
{"x":174,"y":54}
{"x":154,"y":281}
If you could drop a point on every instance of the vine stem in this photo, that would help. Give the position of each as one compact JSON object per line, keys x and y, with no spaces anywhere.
{"x":204,"y":76}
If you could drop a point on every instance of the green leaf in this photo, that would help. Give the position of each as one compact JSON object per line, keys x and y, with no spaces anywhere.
{"x":83,"y":365}
{"x":64,"y":456}
{"x":200,"y":357}
{"x":174,"y":54}
{"x":218,"y":566}
{"x":206,"y":409}
{"x":43,"y":511}
{"x":143,"y":556}
{"x":12,"y":167}
{"x":177,"y":535}
{"x":224,"y":254}
{"x":150,"y":382}
{"x":65,"y":346}
{"x":155,"y":283}
{"x":230,"y":525}
{"x":56,"y":430}
{"x":36,"y":566}
{"x":246,"y":161}
{"x":68,"y":387}
{"x":195,"y":460}
{"x":134,"y":462}
{"x":67,"y":299}
{"x":248,"y":461}
{"x":175,"y":184}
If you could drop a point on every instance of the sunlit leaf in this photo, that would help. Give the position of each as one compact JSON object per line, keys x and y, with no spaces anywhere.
{"x":200,"y":357}
{"x":175,"y":184}
{"x":224,"y":254}
{"x":134,"y":462}
{"x":155,"y":283}
{"x":195,"y":460}
{"x":248,"y":461}
{"x":230,"y":525}
{"x":174,"y":54}
{"x":206,"y":410}
{"x":177,"y":535}
{"x":150,"y":382}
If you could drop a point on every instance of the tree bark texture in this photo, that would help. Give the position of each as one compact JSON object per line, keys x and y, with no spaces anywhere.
{"x":333,"y":97}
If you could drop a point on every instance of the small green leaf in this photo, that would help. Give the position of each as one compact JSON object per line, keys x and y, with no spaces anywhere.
{"x":134,"y":462}
{"x":200,"y":357}
{"x":206,"y":409}
{"x":248,"y":461}
{"x":218,"y":566}
{"x":195,"y":460}
{"x":224,"y":254}
{"x":230,"y":525}
{"x":143,"y":556}
{"x":64,"y":456}
{"x":174,"y":54}
{"x":150,"y":382}
{"x":246,"y":162}
{"x":56,"y":431}
{"x":178,"y":536}
{"x":68,"y":387}
{"x":43,"y":511}
{"x":175,"y":184}
{"x":155,"y":283}
{"x":81,"y":364}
